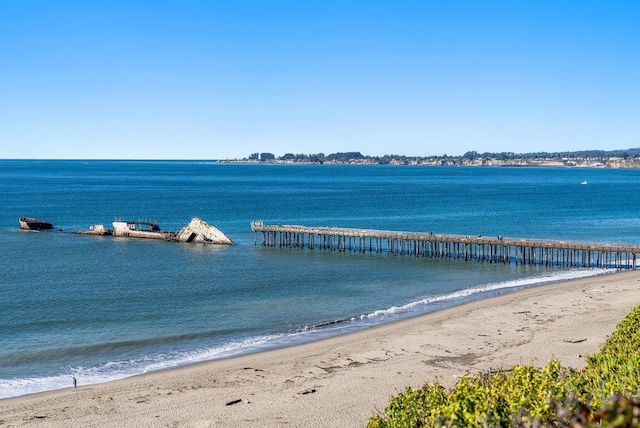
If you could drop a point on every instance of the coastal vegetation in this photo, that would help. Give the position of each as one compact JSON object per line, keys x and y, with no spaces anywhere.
{"x":629,"y":158}
{"x":605,"y":393}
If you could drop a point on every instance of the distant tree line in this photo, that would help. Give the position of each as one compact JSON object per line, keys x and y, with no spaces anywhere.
{"x":591,"y":154}
{"x":470,"y":156}
{"x":311,"y":158}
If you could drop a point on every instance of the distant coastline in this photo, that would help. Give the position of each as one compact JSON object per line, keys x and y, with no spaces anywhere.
{"x":629,"y":158}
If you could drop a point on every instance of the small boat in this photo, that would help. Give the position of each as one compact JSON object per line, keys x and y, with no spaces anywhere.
{"x":30,"y":223}
{"x":584,"y":182}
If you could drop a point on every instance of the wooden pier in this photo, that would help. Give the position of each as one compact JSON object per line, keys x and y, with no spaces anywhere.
{"x":498,"y":249}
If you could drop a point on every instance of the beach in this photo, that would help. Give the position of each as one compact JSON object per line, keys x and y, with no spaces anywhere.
{"x":342,"y":381}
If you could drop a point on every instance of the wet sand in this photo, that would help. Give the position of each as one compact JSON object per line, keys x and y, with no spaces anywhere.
{"x":341,"y":381}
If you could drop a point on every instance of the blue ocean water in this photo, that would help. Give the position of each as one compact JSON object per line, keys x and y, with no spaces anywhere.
{"x":104,"y":308}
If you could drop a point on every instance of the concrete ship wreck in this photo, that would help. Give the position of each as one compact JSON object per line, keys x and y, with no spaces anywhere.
{"x":31,"y":223}
{"x":197,"y":230}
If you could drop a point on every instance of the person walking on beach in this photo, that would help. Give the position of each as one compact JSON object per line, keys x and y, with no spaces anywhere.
{"x":75,"y":383}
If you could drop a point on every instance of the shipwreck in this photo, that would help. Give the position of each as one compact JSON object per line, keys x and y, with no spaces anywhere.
{"x":197,"y":230}
{"x":31,"y":223}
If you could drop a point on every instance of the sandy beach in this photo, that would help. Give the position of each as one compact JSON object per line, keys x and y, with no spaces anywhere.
{"x":341,"y":381}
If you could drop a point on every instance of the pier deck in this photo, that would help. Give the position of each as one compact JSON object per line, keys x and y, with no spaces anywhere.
{"x":426,"y":244}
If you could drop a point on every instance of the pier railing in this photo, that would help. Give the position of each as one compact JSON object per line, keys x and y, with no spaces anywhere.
{"x":426,"y":244}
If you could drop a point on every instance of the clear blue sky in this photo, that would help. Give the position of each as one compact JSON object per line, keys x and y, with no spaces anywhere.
{"x":224,"y":79}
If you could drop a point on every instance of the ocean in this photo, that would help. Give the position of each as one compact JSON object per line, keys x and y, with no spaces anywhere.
{"x":104,"y":308}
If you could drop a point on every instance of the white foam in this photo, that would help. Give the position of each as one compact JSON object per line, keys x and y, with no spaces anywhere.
{"x":121,"y":369}
{"x":486,"y":288}
{"x":114,"y":370}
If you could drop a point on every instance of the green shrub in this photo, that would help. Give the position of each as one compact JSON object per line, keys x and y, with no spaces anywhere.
{"x":528,"y":396}
{"x":615,"y":369}
{"x":412,"y":407}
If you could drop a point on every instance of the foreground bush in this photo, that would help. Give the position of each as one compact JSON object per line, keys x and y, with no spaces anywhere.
{"x":615,"y":369}
{"x":532,"y":397}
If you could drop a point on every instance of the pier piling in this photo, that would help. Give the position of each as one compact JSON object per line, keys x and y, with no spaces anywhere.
{"x":499,"y":249}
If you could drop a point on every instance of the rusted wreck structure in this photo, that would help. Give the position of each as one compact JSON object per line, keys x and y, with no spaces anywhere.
{"x":196,"y":231}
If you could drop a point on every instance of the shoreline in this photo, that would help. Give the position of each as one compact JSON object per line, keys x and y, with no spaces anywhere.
{"x":316,"y":332}
{"x":342,"y":380}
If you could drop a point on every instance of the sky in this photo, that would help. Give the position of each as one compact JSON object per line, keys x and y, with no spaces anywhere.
{"x":224,"y":79}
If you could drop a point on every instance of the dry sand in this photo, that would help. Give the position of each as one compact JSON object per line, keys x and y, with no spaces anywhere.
{"x":340,"y":382}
